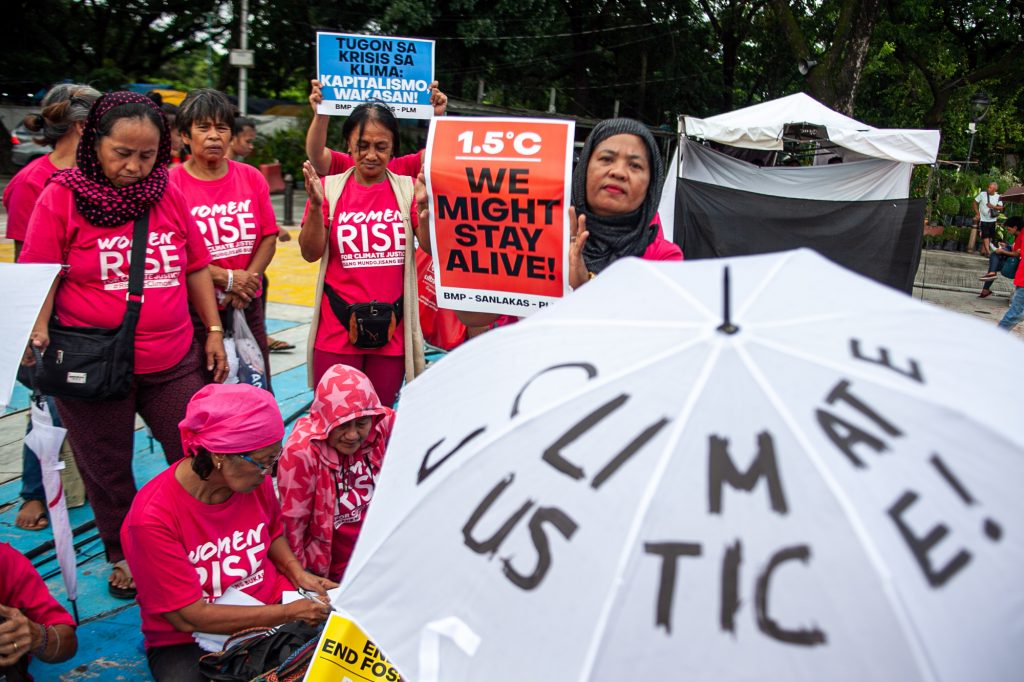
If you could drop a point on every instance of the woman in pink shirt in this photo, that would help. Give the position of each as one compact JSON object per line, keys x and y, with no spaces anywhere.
{"x":364,"y":247}
{"x":211,"y":523}
{"x":327,"y":161}
{"x":64,"y":110}
{"x":32,"y":623}
{"x":84,"y":220}
{"x":230,"y":204}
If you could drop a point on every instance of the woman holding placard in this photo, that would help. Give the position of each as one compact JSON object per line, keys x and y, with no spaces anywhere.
{"x":327,"y":161}
{"x":616,"y":187}
{"x":359,"y":226}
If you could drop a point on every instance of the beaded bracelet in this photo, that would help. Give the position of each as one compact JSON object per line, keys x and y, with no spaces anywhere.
{"x":41,"y":649}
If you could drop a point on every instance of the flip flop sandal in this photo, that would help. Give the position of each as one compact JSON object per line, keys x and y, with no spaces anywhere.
{"x":40,"y":522}
{"x":278,"y":346}
{"x":121,"y":592}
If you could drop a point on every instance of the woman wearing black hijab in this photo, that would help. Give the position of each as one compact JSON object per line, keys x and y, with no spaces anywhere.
{"x":616,"y":188}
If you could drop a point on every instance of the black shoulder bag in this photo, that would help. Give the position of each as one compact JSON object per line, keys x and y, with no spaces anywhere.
{"x":92,"y":363}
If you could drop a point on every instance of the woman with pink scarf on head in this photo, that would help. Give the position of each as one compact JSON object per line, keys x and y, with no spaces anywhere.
{"x":211,"y":522}
{"x":329,"y":468}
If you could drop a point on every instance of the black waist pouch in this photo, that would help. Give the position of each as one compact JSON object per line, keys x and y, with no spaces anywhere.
{"x":369,"y":325}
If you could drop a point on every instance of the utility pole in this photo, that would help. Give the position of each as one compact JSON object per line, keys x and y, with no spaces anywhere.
{"x":243,"y":59}
{"x":243,"y":72}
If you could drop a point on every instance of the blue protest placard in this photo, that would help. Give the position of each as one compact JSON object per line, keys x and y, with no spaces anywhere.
{"x":353,"y":69}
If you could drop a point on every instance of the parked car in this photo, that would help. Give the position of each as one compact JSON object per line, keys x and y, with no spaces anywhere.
{"x":24,"y":148}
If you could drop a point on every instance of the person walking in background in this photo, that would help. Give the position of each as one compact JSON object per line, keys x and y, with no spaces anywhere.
{"x":230,"y":203}
{"x":1015,"y":313}
{"x":1001,"y":253}
{"x":84,"y":219}
{"x":986,"y":209}
{"x":64,"y":111}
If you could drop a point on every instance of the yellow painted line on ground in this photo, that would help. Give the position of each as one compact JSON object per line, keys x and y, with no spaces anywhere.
{"x":292,"y":279}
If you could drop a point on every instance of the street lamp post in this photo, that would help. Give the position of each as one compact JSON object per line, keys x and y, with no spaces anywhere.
{"x":979,"y":107}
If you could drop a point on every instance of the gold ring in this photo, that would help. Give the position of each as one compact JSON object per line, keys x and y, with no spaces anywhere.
{"x":15,"y":646}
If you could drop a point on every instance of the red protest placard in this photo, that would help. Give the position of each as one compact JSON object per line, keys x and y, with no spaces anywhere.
{"x":499,"y":203}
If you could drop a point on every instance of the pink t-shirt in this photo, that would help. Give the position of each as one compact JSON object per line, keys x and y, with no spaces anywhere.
{"x":21,"y":193}
{"x":409,"y":164}
{"x":1018,"y":244}
{"x":233,"y":213}
{"x":22,"y":588}
{"x":366,"y":255}
{"x":92,"y":292}
{"x":661,"y":248}
{"x":181,"y":550}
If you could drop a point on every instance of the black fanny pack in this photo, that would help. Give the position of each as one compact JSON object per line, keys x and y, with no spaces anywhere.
{"x":91,"y":363}
{"x":369,"y":325}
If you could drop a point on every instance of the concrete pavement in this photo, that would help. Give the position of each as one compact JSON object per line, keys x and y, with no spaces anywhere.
{"x":950,"y":280}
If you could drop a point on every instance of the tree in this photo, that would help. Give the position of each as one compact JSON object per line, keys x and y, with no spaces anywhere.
{"x":957,"y":45}
{"x":845,"y":27}
{"x":104,"y":42}
{"x":732,"y":22}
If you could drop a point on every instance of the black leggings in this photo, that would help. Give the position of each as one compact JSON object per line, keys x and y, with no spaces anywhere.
{"x":177,"y":663}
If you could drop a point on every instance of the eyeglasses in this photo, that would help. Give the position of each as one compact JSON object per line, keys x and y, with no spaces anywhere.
{"x":263,"y":467}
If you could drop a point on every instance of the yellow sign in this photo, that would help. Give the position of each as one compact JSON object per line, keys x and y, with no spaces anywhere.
{"x":345,"y":654}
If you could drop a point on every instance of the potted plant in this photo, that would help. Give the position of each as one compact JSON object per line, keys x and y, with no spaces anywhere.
{"x":949,"y":207}
{"x":949,"y":236}
{"x":963,"y":235}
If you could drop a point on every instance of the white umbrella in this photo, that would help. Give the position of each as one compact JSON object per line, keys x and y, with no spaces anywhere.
{"x":45,"y":440}
{"x":620,"y":489}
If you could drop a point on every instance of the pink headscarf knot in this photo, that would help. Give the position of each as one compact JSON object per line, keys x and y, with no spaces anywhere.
{"x":231,"y":418}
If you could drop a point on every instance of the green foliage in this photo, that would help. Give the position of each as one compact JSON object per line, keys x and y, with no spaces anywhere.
{"x":919,"y":181}
{"x":656,"y":58}
{"x":286,"y":145}
{"x":949,"y":205}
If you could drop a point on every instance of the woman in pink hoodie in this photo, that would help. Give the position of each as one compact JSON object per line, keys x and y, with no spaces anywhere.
{"x":328,"y":471}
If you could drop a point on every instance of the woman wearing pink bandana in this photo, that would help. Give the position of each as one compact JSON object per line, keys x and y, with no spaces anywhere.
{"x":329,"y":469}
{"x":84,"y":220}
{"x":212,"y":522}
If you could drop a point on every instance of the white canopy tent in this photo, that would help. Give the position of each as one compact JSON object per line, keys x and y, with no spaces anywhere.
{"x":724,"y":195}
{"x":762,"y":126}
{"x":887,"y":156}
